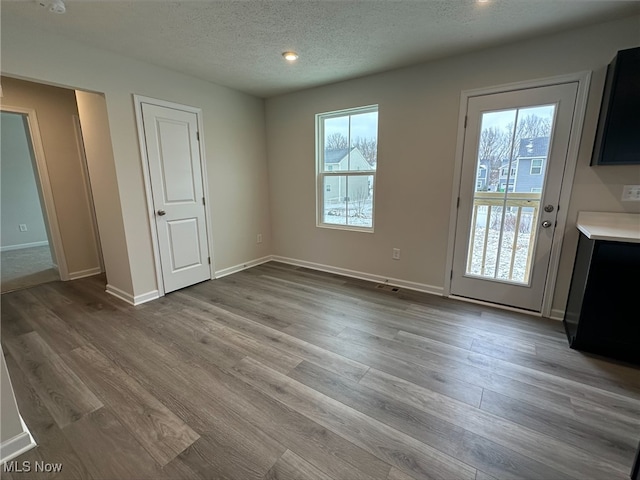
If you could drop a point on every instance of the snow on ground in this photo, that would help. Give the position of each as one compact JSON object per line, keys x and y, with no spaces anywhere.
{"x":493,"y":239}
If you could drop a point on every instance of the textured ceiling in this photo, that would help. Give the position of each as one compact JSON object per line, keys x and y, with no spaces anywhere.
{"x":239,"y":43}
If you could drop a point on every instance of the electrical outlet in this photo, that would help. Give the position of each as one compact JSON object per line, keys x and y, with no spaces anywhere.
{"x":22,"y":227}
{"x":631,"y":193}
{"x":396,"y":254}
{"x":259,"y":238}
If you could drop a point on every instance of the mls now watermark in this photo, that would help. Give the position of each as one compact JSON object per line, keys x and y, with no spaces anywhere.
{"x":27,"y":467}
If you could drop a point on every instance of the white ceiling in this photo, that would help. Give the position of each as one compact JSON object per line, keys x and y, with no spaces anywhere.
{"x":239,"y":43}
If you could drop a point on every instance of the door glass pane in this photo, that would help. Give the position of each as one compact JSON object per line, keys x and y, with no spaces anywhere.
{"x":513,"y":153}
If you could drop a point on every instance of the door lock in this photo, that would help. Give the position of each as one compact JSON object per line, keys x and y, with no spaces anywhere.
{"x":161,"y":213}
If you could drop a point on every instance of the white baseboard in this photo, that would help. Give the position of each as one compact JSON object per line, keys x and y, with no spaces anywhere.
{"x":23,"y":245}
{"x":396,"y":282}
{"x":85,"y":273}
{"x":557,"y":314}
{"x":496,"y":305}
{"x":131,"y":299}
{"x":146,"y":297}
{"x":243,"y":266}
{"x":17,"y":445}
{"x":121,"y":294}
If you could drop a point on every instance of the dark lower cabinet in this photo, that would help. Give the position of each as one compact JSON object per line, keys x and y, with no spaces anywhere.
{"x":602,"y":309}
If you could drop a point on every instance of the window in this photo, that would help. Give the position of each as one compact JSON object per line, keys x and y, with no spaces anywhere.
{"x":536,"y":190}
{"x":346,"y":158}
{"x":505,"y":170}
{"x":536,"y":166}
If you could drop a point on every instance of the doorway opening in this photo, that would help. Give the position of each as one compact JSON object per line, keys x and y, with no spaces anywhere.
{"x":27,"y":253}
{"x":48,"y":216}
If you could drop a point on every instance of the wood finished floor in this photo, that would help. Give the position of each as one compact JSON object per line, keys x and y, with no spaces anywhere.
{"x":279,"y":372}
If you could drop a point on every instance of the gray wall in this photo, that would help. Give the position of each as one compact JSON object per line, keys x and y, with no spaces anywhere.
{"x":417,"y":131}
{"x":20,"y":199}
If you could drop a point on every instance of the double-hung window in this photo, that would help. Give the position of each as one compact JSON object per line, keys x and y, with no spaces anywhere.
{"x":536,"y":166}
{"x":346,"y":160}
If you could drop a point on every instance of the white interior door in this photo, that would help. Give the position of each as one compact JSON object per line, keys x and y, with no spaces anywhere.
{"x":175,"y":171}
{"x":515,"y":151}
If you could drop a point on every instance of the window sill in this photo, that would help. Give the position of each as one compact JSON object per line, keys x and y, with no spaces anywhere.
{"x":351,"y":228}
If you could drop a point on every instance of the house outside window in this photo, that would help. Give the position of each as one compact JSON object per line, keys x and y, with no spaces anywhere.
{"x":536,"y":166}
{"x":346,"y":160}
{"x":505,"y":170}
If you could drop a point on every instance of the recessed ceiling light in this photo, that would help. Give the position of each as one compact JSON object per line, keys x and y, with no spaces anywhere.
{"x":55,"y":6}
{"x":290,"y":56}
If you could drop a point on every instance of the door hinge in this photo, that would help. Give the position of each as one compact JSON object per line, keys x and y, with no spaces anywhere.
{"x":458,"y":203}
{"x":198,"y":135}
{"x":465,"y":121}
{"x":203,"y":201}
{"x":209,"y":260}
{"x":451,"y":275}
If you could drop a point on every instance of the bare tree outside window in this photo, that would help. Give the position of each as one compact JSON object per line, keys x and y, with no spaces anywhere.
{"x":336,"y":141}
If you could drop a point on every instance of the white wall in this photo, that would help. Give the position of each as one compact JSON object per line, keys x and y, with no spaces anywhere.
{"x":418,"y":115}
{"x":234,"y":136}
{"x":20,"y":198}
{"x":14,"y":435}
{"x":10,"y":417}
{"x":94,"y":121}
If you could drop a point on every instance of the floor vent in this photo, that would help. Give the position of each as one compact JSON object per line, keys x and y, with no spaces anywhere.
{"x":387,"y":288}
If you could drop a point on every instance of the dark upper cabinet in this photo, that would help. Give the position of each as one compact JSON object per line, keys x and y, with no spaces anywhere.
{"x":618,"y":135}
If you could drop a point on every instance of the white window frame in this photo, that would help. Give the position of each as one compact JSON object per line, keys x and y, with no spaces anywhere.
{"x":504,"y":172}
{"x":540,"y":167}
{"x":321,"y":174}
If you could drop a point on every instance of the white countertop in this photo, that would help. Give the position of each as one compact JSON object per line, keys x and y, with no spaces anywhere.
{"x":617,"y":227}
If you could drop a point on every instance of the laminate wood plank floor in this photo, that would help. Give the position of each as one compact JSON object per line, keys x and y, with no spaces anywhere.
{"x":280,"y":372}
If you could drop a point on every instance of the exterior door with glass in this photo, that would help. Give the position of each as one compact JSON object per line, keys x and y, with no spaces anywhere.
{"x":515,"y":151}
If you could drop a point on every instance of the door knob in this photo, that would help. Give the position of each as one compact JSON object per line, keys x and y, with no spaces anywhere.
{"x":161,"y":212}
{"x":546,"y":224}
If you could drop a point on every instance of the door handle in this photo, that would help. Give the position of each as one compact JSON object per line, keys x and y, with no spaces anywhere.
{"x":161,"y":213}
{"x":546,"y":224}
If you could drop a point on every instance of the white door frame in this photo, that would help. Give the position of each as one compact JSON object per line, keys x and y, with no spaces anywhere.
{"x":45,"y":186}
{"x":138,"y":101}
{"x":583,"y":79}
